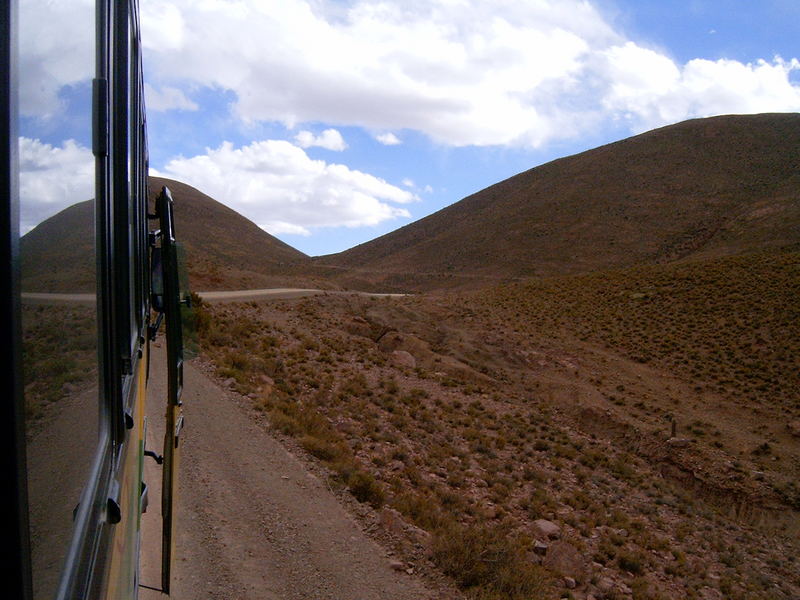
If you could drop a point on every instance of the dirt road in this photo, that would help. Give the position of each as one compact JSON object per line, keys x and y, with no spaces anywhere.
{"x":253,"y":522}
{"x":279,"y":293}
{"x":223,"y":296}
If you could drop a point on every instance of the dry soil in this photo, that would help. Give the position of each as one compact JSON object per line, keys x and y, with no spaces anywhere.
{"x":253,"y":522}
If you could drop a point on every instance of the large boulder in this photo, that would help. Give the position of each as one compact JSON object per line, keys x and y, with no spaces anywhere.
{"x":565,"y":559}
{"x":546,"y":529}
{"x":403,"y":359}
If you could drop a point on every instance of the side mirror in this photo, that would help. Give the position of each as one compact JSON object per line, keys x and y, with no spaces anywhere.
{"x":166,"y":299}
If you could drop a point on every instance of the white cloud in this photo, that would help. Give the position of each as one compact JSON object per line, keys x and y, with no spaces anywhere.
{"x":388,"y":139}
{"x":730,"y":86}
{"x":462,"y":72}
{"x":649,"y":89}
{"x":330,"y":139}
{"x":167,"y":98}
{"x":408,"y":182}
{"x":51,"y":178}
{"x":279,"y":187}
{"x":56,"y":49}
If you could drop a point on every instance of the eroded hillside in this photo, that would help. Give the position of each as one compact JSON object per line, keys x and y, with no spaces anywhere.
{"x":631,"y":434}
{"x":698,"y":189}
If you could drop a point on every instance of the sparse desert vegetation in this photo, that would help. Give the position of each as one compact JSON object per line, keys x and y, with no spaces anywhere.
{"x":731,"y":325}
{"x":595,"y":398}
{"x":612,"y":434}
{"x":605,"y":402}
{"x":59,"y":354}
{"x":700,"y":189}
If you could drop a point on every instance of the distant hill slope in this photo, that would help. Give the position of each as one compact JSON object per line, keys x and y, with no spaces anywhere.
{"x":58,"y":254}
{"x":224,"y":249}
{"x":701,"y":188}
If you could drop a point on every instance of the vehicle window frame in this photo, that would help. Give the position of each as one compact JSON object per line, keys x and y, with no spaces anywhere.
{"x":13,"y":476}
{"x":119,"y":149}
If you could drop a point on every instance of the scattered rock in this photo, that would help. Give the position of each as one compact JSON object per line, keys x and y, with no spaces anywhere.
{"x":547,"y":529}
{"x":391,"y":520}
{"x":605,"y":585}
{"x":397,"y":565}
{"x":421,"y":537}
{"x":565,"y":559}
{"x":540,"y":548}
{"x":534,"y":558}
{"x":794,"y":428}
{"x":401,"y":358}
{"x":229,"y":382}
{"x":709,"y":593}
{"x":569,"y":583}
{"x":679,"y":442}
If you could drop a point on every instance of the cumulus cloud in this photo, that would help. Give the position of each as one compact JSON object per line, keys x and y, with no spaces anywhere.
{"x":330,"y":139}
{"x":51,"y":178}
{"x":279,"y":187}
{"x":56,"y":49}
{"x":167,"y":98}
{"x":650,"y":89}
{"x":388,"y":139}
{"x":462,"y":72}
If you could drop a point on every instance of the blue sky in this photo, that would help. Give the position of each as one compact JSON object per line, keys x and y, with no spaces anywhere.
{"x":331,"y":122}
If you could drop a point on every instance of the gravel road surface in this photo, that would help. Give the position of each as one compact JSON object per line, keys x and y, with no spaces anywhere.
{"x":253,"y":522}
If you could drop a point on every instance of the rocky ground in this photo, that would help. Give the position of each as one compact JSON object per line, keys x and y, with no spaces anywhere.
{"x":257,"y":520}
{"x":520,"y":465}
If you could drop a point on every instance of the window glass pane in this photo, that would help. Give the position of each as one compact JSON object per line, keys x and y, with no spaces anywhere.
{"x":133,"y":178}
{"x":58,"y":277}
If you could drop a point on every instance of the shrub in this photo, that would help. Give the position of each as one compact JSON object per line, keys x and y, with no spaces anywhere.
{"x":487,"y":561}
{"x":324,"y":449}
{"x":423,"y":510}
{"x":364,"y":488}
{"x":630,"y":562}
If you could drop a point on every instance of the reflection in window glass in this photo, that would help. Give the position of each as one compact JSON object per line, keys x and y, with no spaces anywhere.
{"x":59,"y":316}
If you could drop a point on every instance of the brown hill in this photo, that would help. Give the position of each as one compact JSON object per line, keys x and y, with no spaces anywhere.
{"x":702,"y":188}
{"x":641,"y":413}
{"x":58,"y":254}
{"x":224,"y":249}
